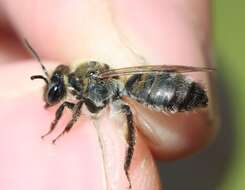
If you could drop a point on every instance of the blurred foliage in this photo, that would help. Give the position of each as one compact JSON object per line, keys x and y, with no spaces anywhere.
{"x":229,"y":37}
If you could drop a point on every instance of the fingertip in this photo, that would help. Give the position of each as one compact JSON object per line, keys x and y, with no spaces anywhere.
{"x":174,"y":136}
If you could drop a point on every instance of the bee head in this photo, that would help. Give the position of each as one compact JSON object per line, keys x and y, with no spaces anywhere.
{"x":55,"y":89}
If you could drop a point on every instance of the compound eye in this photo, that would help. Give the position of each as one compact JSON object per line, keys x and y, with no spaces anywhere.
{"x":55,"y":93}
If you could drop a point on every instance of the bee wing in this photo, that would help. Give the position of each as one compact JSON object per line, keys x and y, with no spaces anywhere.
{"x":153,"y":69}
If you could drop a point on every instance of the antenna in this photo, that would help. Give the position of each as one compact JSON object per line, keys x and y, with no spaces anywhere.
{"x":35,"y":55}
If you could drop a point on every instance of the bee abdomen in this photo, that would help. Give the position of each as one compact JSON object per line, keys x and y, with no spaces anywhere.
{"x":166,"y":92}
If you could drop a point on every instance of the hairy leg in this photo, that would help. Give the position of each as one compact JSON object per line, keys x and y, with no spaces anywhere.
{"x":75,"y":116}
{"x":58,"y":115}
{"x":131,"y":140}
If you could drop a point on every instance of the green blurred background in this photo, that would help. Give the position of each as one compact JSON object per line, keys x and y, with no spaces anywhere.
{"x":229,"y":40}
{"x":222,"y":165}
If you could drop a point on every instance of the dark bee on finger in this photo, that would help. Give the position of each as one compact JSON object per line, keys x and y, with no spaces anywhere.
{"x":163,"y":88}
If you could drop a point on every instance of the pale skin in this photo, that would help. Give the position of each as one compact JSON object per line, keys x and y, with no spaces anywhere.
{"x":120,"y":33}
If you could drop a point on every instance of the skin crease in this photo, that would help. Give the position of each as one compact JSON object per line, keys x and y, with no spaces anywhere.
{"x":172,"y":32}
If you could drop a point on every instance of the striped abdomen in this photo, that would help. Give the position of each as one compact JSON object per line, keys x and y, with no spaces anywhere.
{"x":166,"y":92}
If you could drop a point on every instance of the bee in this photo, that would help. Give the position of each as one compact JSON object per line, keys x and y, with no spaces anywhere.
{"x":162,"y":88}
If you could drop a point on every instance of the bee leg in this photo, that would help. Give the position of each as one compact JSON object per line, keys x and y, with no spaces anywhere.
{"x":58,"y":115}
{"x":131,"y":140}
{"x":75,"y":116}
{"x":76,"y":94}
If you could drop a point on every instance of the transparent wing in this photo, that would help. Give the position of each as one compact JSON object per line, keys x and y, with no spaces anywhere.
{"x":153,"y":69}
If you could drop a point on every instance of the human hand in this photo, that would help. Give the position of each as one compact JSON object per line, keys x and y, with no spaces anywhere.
{"x":115,"y":32}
